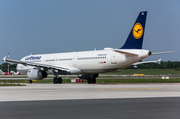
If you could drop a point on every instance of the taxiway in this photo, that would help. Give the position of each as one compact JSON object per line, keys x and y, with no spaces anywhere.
{"x":102,"y":101}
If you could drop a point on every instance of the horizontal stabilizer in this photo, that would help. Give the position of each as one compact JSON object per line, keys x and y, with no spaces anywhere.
{"x":158,"y":53}
{"x":125,"y":53}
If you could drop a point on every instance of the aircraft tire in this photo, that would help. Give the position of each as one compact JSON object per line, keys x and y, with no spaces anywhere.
{"x":29,"y":81}
{"x":93,"y":80}
{"x":55,"y":80}
{"x":60,"y":80}
{"x":89,"y":80}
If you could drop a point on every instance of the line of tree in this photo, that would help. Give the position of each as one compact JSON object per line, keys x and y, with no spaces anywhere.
{"x":4,"y":67}
{"x":164,"y":65}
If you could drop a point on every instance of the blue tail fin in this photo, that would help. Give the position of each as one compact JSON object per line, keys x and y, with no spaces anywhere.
{"x":135,"y":38}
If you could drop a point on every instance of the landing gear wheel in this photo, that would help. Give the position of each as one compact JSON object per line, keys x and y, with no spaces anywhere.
{"x":89,"y":80}
{"x":55,"y":80}
{"x":29,"y":81}
{"x":93,"y":80}
{"x":60,"y":80}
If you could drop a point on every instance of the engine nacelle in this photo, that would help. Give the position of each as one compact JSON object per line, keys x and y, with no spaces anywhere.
{"x":36,"y":74}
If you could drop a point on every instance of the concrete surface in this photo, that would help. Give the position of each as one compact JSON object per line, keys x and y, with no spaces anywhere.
{"x":87,"y":91}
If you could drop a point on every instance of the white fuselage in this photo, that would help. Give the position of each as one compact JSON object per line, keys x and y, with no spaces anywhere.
{"x":88,"y":61}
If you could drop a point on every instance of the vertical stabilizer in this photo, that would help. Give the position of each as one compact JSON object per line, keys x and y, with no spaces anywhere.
{"x":135,"y":38}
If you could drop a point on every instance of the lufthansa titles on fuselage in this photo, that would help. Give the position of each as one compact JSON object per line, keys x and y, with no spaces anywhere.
{"x":101,"y":54}
{"x":33,"y":58}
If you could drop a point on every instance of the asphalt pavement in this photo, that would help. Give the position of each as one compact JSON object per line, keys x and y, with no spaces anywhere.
{"x":127,"y":108}
{"x":91,"y":101}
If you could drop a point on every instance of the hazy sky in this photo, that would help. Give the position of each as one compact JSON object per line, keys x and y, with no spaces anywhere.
{"x":53,"y":26}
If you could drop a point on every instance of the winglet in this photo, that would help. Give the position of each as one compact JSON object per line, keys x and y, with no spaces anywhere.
{"x":159,"y":61}
{"x":4,"y":59}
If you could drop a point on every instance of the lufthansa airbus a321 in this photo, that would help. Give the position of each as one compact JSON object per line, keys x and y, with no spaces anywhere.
{"x":88,"y":64}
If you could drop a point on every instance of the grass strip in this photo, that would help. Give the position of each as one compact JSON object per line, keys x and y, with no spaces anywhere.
{"x":51,"y":81}
{"x":144,"y":71}
{"x":102,"y":81}
{"x":138,"y":81}
{"x":12,"y":85}
{"x":13,"y":81}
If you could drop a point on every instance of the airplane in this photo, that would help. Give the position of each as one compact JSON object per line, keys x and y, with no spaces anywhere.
{"x":5,"y":73}
{"x":88,"y":64}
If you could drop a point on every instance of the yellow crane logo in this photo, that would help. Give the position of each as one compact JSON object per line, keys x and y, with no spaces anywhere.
{"x":137,"y":31}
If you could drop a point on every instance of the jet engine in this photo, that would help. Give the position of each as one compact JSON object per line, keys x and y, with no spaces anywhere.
{"x":36,"y":74}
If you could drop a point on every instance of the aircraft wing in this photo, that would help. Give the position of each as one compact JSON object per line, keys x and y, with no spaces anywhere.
{"x":46,"y":66}
{"x":157,"y":61}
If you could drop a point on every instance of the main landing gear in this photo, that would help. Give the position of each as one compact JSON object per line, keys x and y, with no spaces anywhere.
{"x":57,"y":80}
{"x":91,"y":80}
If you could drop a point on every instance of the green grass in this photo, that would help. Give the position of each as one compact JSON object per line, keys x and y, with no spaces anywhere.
{"x":12,"y":85}
{"x":101,"y":81}
{"x":138,"y":81}
{"x":121,"y":72}
{"x":112,"y":80}
{"x":144,"y":71}
{"x":25,"y":76}
{"x":36,"y":81}
{"x":119,"y":81}
{"x":51,"y":81}
{"x":13,"y":81}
